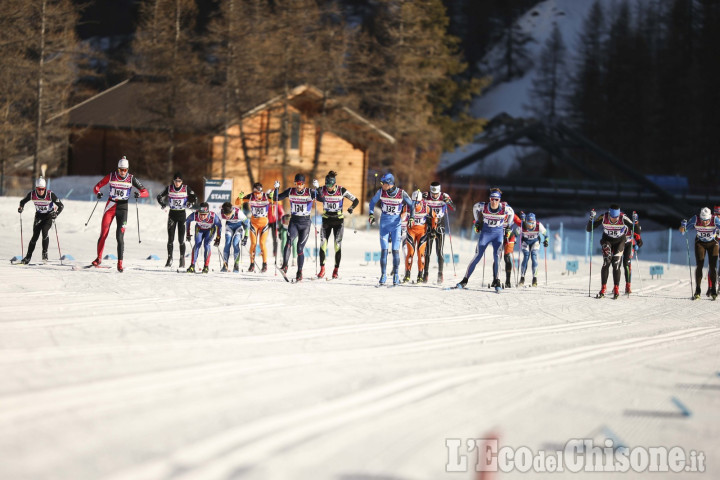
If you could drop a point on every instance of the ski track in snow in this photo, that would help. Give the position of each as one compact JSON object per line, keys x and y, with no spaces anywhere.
{"x":148,"y":374}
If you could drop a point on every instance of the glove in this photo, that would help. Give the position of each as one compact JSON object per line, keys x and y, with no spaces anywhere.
{"x":522,"y":216}
{"x":350,"y":210}
{"x":99,"y":195}
{"x":187,"y":238}
{"x":243,"y":242}
{"x":683,"y":226}
{"x":136,"y":194}
{"x":546,"y":243}
{"x":276,"y":184}
{"x":635,"y":247}
{"x":20,"y":209}
{"x":507,"y":233}
{"x":189,"y":205}
{"x":592,"y":214}
{"x":638,"y":240}
{"x":635,"y":217}
{"x":478,"y":227}
{"x":371,"y":219}
{"x":316,"y":184}
{"x":217,"y":242}
{"x":53,"y":214}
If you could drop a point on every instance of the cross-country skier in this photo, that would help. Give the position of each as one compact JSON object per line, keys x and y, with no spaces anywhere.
{"x":416,"y":237}
{"x":615,"y":226}
{"x":508,"y":248}
{"x":261,"y":204}
{"x":706,"y":242}
{"x":632,"y":243}
{"x":439,"y":202}
{"x":332,"y":195}
{"x":47,"y":208}
{"x":178,"y":197}
{"x":121,"y":183}
{"x":207,"y":225}
{"x":301,"y":203}
{"x":491,"y":219}
{"x":391,"y":200}
{"x":530,"y":231}
{"x":236,"y":233}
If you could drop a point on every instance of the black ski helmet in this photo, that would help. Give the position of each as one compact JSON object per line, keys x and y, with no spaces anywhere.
{"x":204,"y":209}
{"x":177,"y":176}
{"x":299,"y":178}
{"x":226,"y":208}
{"x":257,"y":186}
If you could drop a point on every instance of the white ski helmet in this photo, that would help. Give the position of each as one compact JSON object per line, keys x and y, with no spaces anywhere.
{"x":417,"y":196}
{"x":705,"y":214}
{"x":435,"y":188}
{"x":123,"y":162}
{"x":40,"y":183}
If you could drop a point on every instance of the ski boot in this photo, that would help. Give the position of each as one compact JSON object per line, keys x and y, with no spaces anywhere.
{"x":534,"y":282}
{"x":522,"y":282}
{"x":713,"y":294}
{"x":321,"y":274}
{"x":205,"y":269}
{"x":298,"y":276}
{"x":252,"y":267}
{"x":169,"y":262}
{"x":383,"y":279}
{"x":284,"y":268}
{"x":396,"y":279}
{"x":628,"y":289}
{"x":420,"y":278}
{"x":425,"y":278}
{"x":616,"y":292}
{"x":406,"y":278}
{"x":182,"y":262}
{"x":94,"y":263}
{"x":462,"y":283}
{"x":224,"y":268}
{"x":44,"y":257}
{"x":191,"y":268}
{"x":496,"y":283}
{"x":697,"y":294}
{"x":507,"y":285}
{"x":25,"y":260}
{"x":264,"y":267}
{"x":601,"y":294}
{"x":236,"y":267}
{"x":335,"y":272}
{"x":119,"y":266}
{"x":440,"y":278}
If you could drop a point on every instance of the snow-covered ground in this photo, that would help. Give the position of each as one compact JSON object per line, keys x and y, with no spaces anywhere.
{"x":150,"y":374}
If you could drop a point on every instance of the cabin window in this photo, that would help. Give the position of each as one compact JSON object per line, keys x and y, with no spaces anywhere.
{"x":295,"y":131}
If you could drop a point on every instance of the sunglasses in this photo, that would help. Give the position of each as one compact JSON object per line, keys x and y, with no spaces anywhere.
{"x":493,"y":199}
{"x":122,"y":169}
{"x":299,"y":184}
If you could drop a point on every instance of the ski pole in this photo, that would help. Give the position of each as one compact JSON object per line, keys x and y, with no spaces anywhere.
{"x":592,"y":229}
{"x":58,"y":241}
{"x":316,"y":232}
{"x":93,"y":211}
{"x":22,"y":242}
{"x":638,"y":266}
{"x":483,"y":280}
{"x":137,"y":212}
{"x":545,"y":255}
{"x":277,"y":230}
{"x":221,"y":259}
{"x":632,"y":241}
{"x":447,"y":220}
{"x":687,"y":245}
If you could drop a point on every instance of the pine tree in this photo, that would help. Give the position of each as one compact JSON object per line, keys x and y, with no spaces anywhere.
{"x":548,"y":84}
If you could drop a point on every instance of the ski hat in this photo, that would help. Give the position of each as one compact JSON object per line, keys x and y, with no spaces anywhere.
{"x":614,"y":211}
{"x":388,"y":178}
{"x":705,"y":214}
{"x":530,"y":218}
{"x":716,"y":210}
{"x":417,"y":196}
{"x":123,"y":162}
{"x":177,"y":176}
{"x":204,"y":209}
{"x":299,"y":178}
{"x":40,"y":183}
{"x":435,"y":188}
{"x":257,"y":186}
{"x":330,"y":179}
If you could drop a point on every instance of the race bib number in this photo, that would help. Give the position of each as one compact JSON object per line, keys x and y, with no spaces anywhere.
{"x":119,"y":194}
{"x":299,"y":208}
{"x":177,"y":203}
{"x":493,"y":222}
{"x":707,"y":235}
{"x":391,"y":209}
{"x":259,"y":212}
{"x":332,"y":206}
